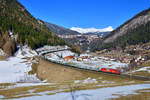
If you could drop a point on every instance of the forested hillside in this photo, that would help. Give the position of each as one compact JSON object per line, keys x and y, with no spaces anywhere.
{"x":15,"y":18}
{"x":134,"y":31}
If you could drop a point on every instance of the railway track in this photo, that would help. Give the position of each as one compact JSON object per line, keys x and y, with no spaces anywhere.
{"x":144,"y":78}
{"x":94,"y":70}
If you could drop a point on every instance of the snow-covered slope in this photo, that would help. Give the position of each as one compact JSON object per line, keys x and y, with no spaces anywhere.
{"x":16,"y":68}
{"x":25,"y":51}
{"x":90,"y":30}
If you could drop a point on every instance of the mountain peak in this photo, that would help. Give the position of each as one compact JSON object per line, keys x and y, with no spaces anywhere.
{"x":134,"y":23}
{"x":59,"y":30}
{"x":87,"y":30}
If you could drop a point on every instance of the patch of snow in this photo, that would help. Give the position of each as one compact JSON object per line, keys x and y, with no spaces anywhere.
{"x":87,"y":30}
{"x":144,"y":69}
{"x":86,"y":81}
{"x":10,"y":33}
{"x":16,"y":69}
{"x":54,"y":56}
{"x":27,"y":85}
{"x":77,"y":81}
{"x":102,"y":93}
{"x":25,"y":51}
{"x":64,"y":53}
{"x":44,"y":81}
{"x":2,"y":53}
{"x":88,"y":55}
{"x":14,"y":36}
{"x":89,"y":80}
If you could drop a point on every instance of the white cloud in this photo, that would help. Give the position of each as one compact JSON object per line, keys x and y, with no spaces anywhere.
{"x":86,"y":30}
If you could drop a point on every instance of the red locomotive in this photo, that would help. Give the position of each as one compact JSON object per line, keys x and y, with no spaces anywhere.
{"x":110,"y":70}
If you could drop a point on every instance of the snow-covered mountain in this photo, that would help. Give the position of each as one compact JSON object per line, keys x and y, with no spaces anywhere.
{"x":59,"y":30}
{"x":92,"y":30}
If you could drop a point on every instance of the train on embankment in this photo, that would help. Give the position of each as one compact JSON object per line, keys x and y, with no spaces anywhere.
{"x":116,"y":70}
{"x":105,"y":70}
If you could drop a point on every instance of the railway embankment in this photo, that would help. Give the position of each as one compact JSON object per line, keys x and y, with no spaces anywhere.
{"x":64,"y":57}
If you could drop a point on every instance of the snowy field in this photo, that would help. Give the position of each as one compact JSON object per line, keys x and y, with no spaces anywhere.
{"x":2,"y":53}
{"x":16,"y":68}
{"x":97,"y":94}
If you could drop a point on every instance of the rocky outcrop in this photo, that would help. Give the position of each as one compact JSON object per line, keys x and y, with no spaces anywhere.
{"x":7,"y":44}
{"x":10,"y":47}
{"x":139,"y":19}
{"x":3,"y":38}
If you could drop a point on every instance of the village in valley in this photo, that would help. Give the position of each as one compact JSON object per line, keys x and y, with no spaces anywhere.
{"x":63,"y":55}
{"x":129,"y":60}
{"x":136,"y":56}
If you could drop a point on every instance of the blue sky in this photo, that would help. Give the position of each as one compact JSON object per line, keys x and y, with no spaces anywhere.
{"x":85,"y":13}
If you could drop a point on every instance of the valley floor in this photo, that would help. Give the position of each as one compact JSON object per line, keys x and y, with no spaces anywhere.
{"x":17,"y":82}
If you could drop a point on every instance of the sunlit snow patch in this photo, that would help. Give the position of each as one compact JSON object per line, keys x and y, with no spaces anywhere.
{"x":86,"y":81}
{"x":97,"y":94}
{"x":147,"y":69}
{"x":16,"y":69}
{"x":2,"y":53}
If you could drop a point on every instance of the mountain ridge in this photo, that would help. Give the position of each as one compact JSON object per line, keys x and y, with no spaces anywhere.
{"x":92,"y":30}
{"x":139,"y":19}
{"x":59,"y":30}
